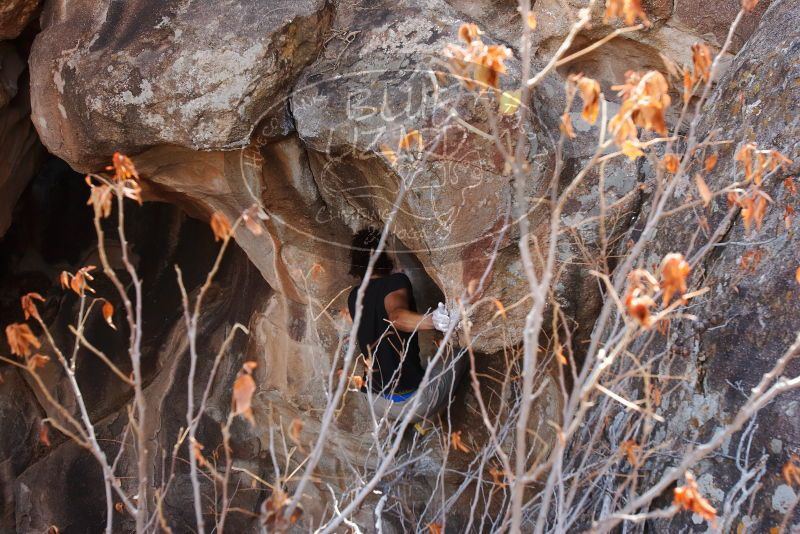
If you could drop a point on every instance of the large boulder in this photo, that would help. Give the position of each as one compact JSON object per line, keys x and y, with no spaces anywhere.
{"x":208,"y":99}
{"x":743,"y":325}
{"x":15,"y":15}
{"x":125,"y":76}
{"x":387,"y":77}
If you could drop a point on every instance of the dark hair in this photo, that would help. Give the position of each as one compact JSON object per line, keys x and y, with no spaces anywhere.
{"x":364,"y":243}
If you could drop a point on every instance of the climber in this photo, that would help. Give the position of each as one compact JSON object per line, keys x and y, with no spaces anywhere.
{"x":388,"y":341}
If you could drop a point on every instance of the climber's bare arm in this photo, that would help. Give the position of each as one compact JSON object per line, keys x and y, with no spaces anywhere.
{"x":405,"y":320}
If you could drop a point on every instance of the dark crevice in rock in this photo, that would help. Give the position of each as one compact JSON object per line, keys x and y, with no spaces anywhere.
{"x":52,"y":231}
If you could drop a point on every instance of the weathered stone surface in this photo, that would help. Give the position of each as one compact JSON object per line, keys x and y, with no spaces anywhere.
{"x":21,"y":155}
{"x":714,"y":24}
{"x":11,"y":66}
{"x":201,"y":97}
{"x":60,"y":486}
{"x":20,"y":414}
{"x":125,"y":76}
{"x":745,"y":320}
{"x":15,"y":15}
{"x":370,"y":89}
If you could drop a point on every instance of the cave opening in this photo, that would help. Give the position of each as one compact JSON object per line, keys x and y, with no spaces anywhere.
{"x":51,"y":231}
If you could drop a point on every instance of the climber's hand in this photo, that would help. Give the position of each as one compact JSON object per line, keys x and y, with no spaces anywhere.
{"x":441,"y":319}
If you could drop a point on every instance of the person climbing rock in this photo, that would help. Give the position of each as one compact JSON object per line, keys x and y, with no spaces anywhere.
{"x":387,"y":337}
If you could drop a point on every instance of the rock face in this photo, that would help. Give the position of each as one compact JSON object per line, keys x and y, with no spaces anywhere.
{"x":11,"y":66}
{"x":228,"y":104}
{"x":112,"y":76}
{"x":22,"y":154}
{"x":32,"y":257}
{"x":15,"y":15}
{"x":746,"y":327}
{"x":366,"y":93}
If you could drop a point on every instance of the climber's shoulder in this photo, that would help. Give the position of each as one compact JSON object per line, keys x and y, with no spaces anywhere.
{"x":397,"y":281}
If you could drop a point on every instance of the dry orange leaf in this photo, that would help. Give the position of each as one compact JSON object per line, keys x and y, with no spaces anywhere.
{"x":629,"y":10}
{"x":745,"y":156}
{"x":560,"y":354}
{"x":674,"y":270}
{"x":44,"y":434}
{"x":789,"y":184}
{"x":119,"y":507}
{"x":457,"y":443}
{"x":632,"y":150}
{"x":29,"y":306}
{"x":498,"y":476}
{"x":220,"y":226}
{"x":295,"y":428}
{"x":123,"y":167}
{"x":688,"y":498}
{"x":711,"y":162}
{"x":566,"y":126}
{"x":749,"y":5}
{"x":78,"y":282}
{"x":631,"y":450}
{"x":243,"y":389}
{"x":273,"y":511}
{"x":477,"y":65}
{"x":797,"y":275}
{"x":500,"y":308}
{"x":657,"y":396}
{"x":108,"y":314}
{"x":21,"y":339}
{"x":701,"y":61}
{"x":776,"y":159}
{"x":791,"y":471}
{"x":197,"y":450}
{"x":37,"y":361}
{"x":645,"y":99}
{"x":639,"y":307}
{"x":756,"y":162}
{"x":751,"y":259}
{"x":411,"y":138}
{"x":702,"y":188}
{"x":671,"y":163}
{"x":688,"y":85}
{"x":754,"y":209}
{"x":469,"y":32}
{"x":788,"y":214}
{"x":590,"y":94}
{"x":100,"y":197}
{"x":133,"y":191}
{"x":435,"y":528}
{"x":639,"y":300}
{"x":389,"y":154}
{"x":472,"y":286}
{"x":531,"y":20}
{"x":355,"y":383}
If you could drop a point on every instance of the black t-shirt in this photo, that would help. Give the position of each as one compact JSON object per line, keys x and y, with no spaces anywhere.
{"x":386,"y":345}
